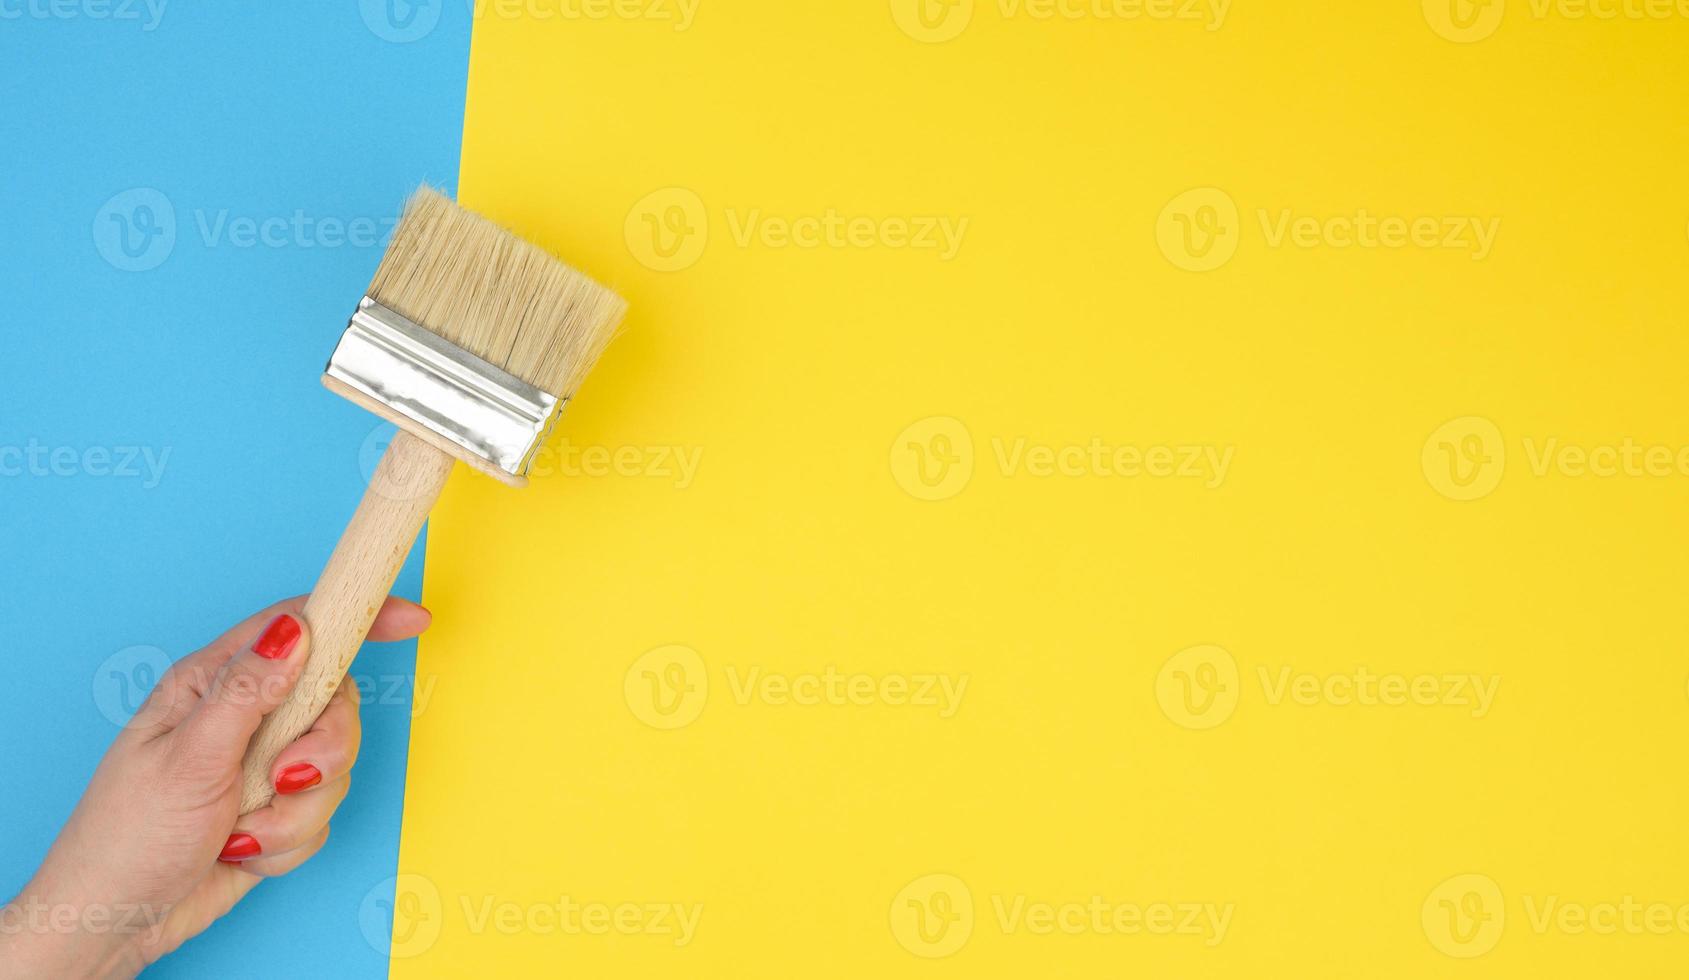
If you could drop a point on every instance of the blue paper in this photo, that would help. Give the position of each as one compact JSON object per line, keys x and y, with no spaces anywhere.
{"x":195,"y":198}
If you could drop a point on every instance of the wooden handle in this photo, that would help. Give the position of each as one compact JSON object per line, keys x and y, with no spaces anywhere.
{"x":352,"y":588}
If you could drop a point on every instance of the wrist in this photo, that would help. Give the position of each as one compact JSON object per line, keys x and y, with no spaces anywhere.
{"x":45,"y":932}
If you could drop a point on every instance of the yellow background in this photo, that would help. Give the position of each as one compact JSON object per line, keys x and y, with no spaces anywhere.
{"x":1068,"y":314}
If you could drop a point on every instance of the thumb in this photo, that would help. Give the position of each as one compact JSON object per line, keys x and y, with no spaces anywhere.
{"x":253,"y":683}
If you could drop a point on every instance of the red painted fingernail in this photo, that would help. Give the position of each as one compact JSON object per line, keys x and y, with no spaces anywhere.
{"x":239,"y":848}
{"x":300,"y":775}
{"x":278,"y":639}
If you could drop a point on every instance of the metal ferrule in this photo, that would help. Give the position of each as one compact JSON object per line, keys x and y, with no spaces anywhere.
{"x":483,"y":410}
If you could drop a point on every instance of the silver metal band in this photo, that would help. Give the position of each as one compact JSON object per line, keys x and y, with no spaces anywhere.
{"x":482,"y":409}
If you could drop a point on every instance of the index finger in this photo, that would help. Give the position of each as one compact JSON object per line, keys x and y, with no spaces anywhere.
{"x":398,"y":619}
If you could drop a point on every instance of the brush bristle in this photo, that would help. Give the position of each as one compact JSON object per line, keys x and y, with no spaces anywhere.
{"x":489,"y":292}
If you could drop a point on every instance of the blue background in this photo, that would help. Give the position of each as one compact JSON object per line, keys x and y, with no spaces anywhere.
{"x":209,"y":347}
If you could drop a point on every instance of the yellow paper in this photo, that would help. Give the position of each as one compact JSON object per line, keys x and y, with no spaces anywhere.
{"x":1085,"y":489}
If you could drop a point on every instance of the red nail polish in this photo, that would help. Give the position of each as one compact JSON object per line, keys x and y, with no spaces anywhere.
{"x":278,"y":638}
{"x":239,"y":848}
{"x":299,"y":776}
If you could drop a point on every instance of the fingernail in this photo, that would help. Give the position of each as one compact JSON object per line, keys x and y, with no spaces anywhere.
{"x":300,"y":775}
{"x":239,"y":848}
{"x":278,"y":638}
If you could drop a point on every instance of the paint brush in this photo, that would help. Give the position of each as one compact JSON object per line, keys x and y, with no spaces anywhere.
{"x":471,"y":341}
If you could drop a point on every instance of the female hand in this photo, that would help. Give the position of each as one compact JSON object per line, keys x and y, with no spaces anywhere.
{"x":154,"y":851}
